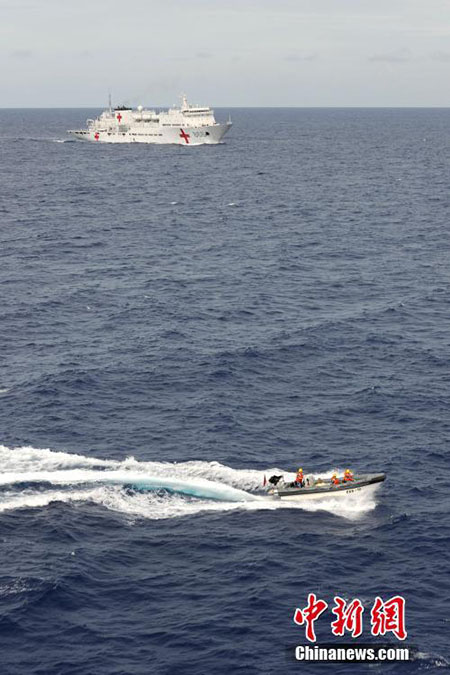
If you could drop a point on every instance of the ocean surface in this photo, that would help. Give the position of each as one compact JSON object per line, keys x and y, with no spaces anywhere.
{"x":177,"y":323}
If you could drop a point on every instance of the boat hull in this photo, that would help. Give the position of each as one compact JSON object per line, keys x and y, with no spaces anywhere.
{"x":164,"y":135}
{"x":360,"y":484}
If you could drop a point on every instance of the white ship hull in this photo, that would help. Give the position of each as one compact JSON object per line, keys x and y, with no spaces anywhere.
{"x":366,"y":483}
{"x":210,"y":135}
{"x":368,"y":489}
{"x":186,"y":125}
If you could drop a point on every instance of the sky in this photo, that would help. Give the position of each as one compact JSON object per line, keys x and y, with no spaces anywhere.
{"x":70,"y":53}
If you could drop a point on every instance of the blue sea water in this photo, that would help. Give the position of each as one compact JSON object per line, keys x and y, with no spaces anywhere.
{"x":190,"y":320}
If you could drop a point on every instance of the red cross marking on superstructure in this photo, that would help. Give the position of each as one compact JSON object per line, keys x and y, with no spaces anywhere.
{"x":119,"y":117}
{"x":184,"y":135}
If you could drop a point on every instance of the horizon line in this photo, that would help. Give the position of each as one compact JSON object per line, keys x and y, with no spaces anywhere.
{"x":244,"y":107}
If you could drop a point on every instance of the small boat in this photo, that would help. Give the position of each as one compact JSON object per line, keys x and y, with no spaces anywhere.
{"x":318,"y":488}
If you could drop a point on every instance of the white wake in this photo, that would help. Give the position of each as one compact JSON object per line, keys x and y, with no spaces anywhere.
{"x":35,"y":478}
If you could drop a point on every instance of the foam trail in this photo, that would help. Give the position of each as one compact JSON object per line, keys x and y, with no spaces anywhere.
{"x":199,"y":487}
{"x":34,"y":478}
{"x":39,"y":500}
{"x":27,"y":458}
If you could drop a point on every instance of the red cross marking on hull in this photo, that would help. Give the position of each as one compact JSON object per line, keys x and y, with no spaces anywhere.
{"x":184,"y":135}
{"x":97,"y":136}
{"x":119,"y":118}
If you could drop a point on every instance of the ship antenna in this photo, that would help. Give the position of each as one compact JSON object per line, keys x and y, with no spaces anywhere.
{"x":109,"y":99}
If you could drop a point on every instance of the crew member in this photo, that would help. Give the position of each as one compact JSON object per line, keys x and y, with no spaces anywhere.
{"x":335,"y":479}
{"x":348,"y":476}
{"x":299,"y":479}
